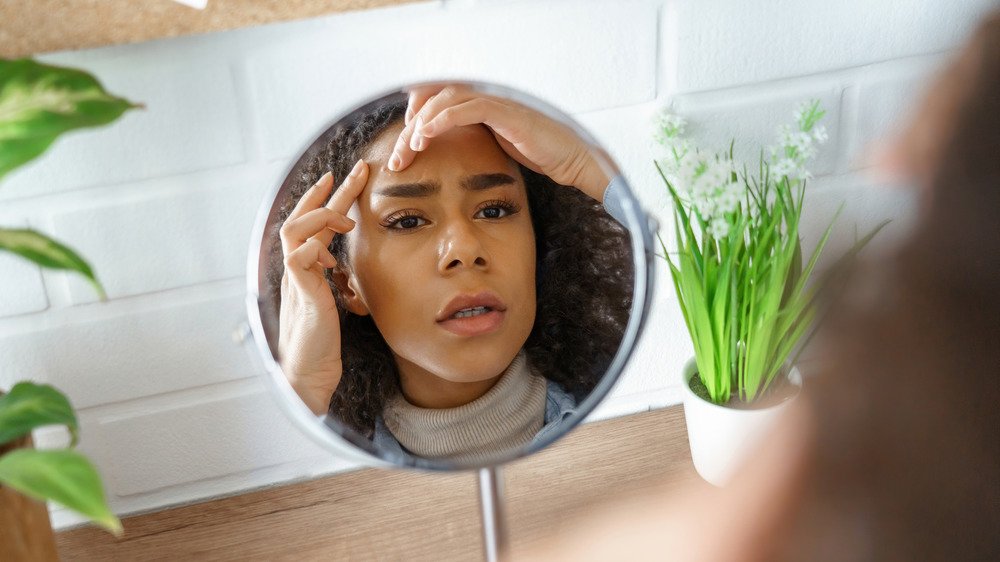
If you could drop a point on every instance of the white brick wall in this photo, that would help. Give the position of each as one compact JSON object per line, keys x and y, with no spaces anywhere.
{"x":162,"y":201}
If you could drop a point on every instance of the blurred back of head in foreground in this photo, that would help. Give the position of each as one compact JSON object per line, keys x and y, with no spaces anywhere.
{"x":906,"y":460}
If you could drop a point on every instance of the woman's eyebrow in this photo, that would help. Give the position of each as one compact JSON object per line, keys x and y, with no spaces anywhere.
{"x":422,"y":189}
{"x":486,"y":181}
{"x":477,"y":182}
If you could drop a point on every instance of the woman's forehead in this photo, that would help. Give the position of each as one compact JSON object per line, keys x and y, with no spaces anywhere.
{"x":459,"y":152}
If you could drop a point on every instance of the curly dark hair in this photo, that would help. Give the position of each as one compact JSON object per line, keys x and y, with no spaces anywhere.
{"x":584,"y":278}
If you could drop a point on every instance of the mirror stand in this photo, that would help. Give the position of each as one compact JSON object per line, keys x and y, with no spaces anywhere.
{"x":491,"y":501}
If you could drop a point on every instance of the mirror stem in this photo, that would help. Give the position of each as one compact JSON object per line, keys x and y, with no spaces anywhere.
{"x":494,"y":525}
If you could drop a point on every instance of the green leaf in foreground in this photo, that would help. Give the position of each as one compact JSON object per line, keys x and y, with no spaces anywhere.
{"x":29,"y":405}
{"x":65,"y":477}
{"x":46,"y":252}
{"x":39,"y":102}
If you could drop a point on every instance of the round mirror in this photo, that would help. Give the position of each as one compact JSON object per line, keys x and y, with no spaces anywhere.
{"x":451,"y":276}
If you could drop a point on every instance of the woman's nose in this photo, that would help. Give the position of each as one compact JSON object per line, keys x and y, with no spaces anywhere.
{"x":462,"y":247}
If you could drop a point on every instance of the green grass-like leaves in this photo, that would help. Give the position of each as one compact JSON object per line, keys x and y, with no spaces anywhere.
{"x":747,"y":298}
{"x":744,"y":297}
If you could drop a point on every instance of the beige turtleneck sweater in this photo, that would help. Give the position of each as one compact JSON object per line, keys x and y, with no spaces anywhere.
{"x":507,"y":417}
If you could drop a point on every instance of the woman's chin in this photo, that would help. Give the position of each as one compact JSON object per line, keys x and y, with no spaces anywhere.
{"x":475,"y":368}
{"x":467,"y":362}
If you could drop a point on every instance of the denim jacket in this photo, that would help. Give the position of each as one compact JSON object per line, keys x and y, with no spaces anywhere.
{"x":559,"y":405}
{"x":612,"y":199}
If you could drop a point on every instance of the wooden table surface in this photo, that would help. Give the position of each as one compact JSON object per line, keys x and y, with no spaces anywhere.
{"x":378,"y":514}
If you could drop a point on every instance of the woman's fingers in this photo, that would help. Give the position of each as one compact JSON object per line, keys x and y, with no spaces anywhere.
{"x":305,"y":238}
{"x":343,"y":199}
{"x":402,"y":152}
{"x":313,"y":197}
{"x":418,"y":97}
{"x":306,"y":256}
{"x":423,"y":104}
{"x":350,"y":189}
{"x":303,"y":276}
{"x":410,"y":140}
{"x":436,"y":118}
{"x":505,"y":120}
{"x":294,"y":233}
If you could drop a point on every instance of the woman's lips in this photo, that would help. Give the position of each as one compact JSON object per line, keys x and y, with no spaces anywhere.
{"x":478,"y":325}
{"x":486,"y":298}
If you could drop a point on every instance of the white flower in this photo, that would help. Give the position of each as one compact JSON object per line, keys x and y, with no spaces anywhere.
{"x":669,"y":128}
{"x":786,"y":137}
{"x":807,"y":113}
{"x":673,"y":124}
{"x":819,"y":133}
{"x":731,"y":198}
{"x":808,"y":152}
{"x":803,"y":141}
{"x":711,"y":187}
{"x":784,"y":167}
{"x":719,"y":227}
{"x":796,"y":148}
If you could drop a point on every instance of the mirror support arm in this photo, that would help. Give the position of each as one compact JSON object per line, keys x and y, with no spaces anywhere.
{"x":494,"y":525}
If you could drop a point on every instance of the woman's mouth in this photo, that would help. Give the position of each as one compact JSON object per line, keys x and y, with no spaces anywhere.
{"x":473,"y":314}
{"x":474,"y":321}
{"x":469,"y":312}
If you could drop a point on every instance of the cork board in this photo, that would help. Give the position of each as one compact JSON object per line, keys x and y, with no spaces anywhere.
{"x":42,"y":26}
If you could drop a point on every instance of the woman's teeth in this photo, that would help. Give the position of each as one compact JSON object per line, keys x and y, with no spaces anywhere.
{"x":467,"y":312}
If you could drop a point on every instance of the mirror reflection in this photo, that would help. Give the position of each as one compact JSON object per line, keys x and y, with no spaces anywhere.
{"x":445,"y":278}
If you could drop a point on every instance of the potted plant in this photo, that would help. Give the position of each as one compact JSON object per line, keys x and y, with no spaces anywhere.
{"x":28,"y":475}
{"x":37,"y":104}
{"x":747,"y":298}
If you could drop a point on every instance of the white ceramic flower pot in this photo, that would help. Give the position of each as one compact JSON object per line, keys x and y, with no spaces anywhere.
{"x":721,"y":437}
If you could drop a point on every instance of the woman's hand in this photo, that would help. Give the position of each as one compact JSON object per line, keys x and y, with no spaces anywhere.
{"x":532,"y":139}
{"x":309,"y":334}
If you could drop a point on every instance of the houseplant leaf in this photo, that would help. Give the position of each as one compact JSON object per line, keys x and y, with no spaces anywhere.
{"x":38,"y":102}
{"x":46,"y":252}
{"x":65,"y":477}
{"x":29,"y":405}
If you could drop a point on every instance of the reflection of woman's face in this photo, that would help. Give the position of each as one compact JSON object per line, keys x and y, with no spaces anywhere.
{"x":453,"y":223}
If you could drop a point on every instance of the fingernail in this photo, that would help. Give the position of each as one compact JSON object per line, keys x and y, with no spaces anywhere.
{"x":427,"y":129}
{"x":416,"y":141}
{"x":343,"y":222}
{"x":356,"y":170}
{"x":323,"y":177}
{"x":394,"y":162}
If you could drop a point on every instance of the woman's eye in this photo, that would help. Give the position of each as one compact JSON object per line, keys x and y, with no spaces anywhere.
{"x":407,"y":223}
{"x":494,"y":212}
